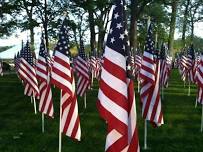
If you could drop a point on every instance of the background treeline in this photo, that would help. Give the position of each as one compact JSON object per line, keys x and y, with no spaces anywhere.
{"x":88,"y":19}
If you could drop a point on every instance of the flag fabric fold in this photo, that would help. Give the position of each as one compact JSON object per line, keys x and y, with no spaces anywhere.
{"x":150,"y":85}
{"x":116,"y":102}
{"x":27,"y":71}
{"x":43,"y":75}
{"x":82,"y":71}
{"x":63,"y":78}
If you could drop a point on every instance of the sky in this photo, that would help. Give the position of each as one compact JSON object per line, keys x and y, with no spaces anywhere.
{"x":15,"y":40}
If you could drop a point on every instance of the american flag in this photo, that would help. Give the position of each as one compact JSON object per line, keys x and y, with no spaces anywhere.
{"x":93,"y":63}
{"x":163,"y":67}
{"x":149,"y":75}
{"x":43,"y":75}
{"x":27,"y":71}
{"x":62,"y":77}
{"x":191,"y":62}
{"x":116,"y":102}
{"x":183,"y":66}
{"x":138,"y":61}
{"x":199,"y":80}
{"x":82,"y":71}
{"x":28,"y":90}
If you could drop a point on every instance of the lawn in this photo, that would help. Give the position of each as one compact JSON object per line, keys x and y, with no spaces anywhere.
{"x":20,"y":128}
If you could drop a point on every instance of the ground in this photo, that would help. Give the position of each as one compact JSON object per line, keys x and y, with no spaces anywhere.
{"x":20,"y":128}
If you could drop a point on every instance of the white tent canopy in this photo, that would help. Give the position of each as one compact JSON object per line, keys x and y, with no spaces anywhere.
{"x":10,"y":53}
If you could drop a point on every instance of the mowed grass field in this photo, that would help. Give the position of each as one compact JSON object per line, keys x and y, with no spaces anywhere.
{"x":20,"y":128}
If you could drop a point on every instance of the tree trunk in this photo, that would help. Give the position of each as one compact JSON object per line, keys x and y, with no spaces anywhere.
{"x":192,"y":30}
{"x":32,"y":41}
{"x":133,"y":25}
{"x":92,"y":30}
{"x":172,"y":26}
{"x":184,"y":28}
{"x":46,"y":25}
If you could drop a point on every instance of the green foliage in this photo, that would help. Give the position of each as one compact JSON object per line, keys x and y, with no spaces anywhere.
{"x":5,"y":48}
{"x":160,"y":20}
{"x":197,"y":41}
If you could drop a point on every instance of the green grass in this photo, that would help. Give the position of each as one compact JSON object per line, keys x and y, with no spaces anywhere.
{"x":180,"y":133}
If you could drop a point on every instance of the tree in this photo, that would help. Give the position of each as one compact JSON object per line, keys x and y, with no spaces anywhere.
{"x":186,"y":4}
{"x":195,"y":14}
{"x":136,"y":7}
{"x":28,"y":22}
{"x":7,"y":21}
{"x":174,"y":6}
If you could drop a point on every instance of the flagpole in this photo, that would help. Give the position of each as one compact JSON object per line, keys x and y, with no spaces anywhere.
{"x":31,"y":99}
{"x":34,"y":104}
{"x":92,"y":78}
{"x":189,"y":89}
{"x":196,"y":103}
{"x":202,"y":120}
{"x":145,"y":135}
{"x":138,"y":83}
{"x":145,"y":124}
{"x":60,"y":135}
{"x":42,"y":123}
{"x":85,"y":100}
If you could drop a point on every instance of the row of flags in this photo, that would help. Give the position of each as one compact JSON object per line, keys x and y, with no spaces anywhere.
{"x":187,"y":65}
{"x":115,"y":72}
{"x":190,"y":67}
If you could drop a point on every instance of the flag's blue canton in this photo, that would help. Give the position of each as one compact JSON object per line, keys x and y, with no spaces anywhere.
{"x":116,"y":37}
{"x":63,"y":42}
{"x":82,"y":51}
{"x":191,"y":52}
{"x":26,"y":54}
{"x":149,"y":46}
{"x":42,"y":50}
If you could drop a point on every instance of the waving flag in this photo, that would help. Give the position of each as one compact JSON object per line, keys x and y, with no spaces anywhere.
{"x":94,"y":65}
{"x":149,"y":75}
{"x":138,"y":61}
{"x":163,"y":67}
{"x":183,"y":66}
{"x":199,"y":80}
{"x":82,"y":71}
{"x":46,"y":103}
{"x":62,"y":77}
{"x":191,"y":63}
{"x":116,"y":102}
{"x":27,"y":70}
